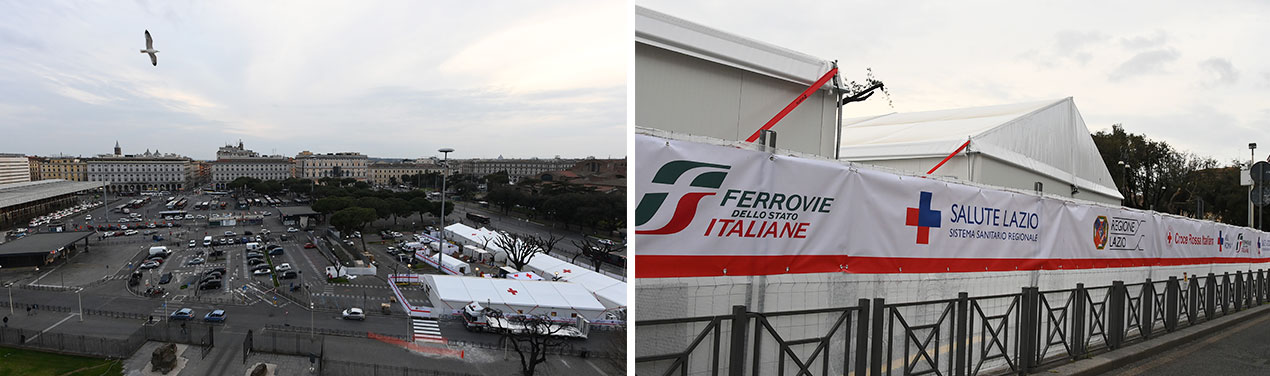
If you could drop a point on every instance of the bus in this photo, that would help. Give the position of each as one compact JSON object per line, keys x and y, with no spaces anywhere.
{"x":173,"y":213}
{"x":215,"y":193}
{"x":120,"y":208}
{"x":478,"y":218}
{"x":171,"y":204}
{"x":201,"y":206}
{"x":180,"y":204}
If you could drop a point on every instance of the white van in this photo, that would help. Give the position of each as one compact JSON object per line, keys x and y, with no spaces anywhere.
{"x":207,"y":241}
{"x":252,"y":246}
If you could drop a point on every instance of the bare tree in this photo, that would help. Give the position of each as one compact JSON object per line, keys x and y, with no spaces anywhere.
{"x":532,"y":341}
{"x":547,"y":243}
{"x":598,"y":252}
{"x":519,"y":249}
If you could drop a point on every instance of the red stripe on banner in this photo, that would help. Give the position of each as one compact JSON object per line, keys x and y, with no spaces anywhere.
{"x":792,"y":105}
{"x":941,"y":163}
{"x":664,"y":266}
{"x":684,"y":212}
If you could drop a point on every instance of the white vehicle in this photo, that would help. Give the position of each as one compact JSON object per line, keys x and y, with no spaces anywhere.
{"x":477,"y":318}
{"x":229,"y":233}
{"x":354,"y":314}
{"x":88,"y":217}
{"x":284,"y":267}
{"x":160,"y":250}
{"x":261,"y":271}
{"x":207,"y":241}
{"x":130,"y":232}
{"x":149,"y":265}
{"x":189,"y":216}
{"x":292,"y":229}
{"x":193,"y":243}
{"x":253,"y":246}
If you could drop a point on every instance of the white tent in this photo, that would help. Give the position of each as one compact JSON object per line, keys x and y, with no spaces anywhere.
{"x":445,"y":263}
{"x":1014,"y":146}
{"x":610,"y":292}
{"x":559,"y":300}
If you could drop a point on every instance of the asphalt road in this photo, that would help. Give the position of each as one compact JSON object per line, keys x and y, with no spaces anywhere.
{"x":1238,"y":350}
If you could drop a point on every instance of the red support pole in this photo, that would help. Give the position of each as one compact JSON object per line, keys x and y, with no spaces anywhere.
{"x":941,"y":163}
{"x":792,"y":105}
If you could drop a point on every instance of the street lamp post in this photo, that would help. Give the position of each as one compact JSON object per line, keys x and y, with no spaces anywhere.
{"x":1252,"y":155}
{"x":311,"y":331}
{"x":445,"y":162}
{"x":10,"y":287}
{"x":79,"y":297}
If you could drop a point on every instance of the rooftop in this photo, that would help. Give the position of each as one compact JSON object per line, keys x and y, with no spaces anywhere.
{"x":289,"y":211}
{"x":42,"y":242}
{"x":14,"y":194}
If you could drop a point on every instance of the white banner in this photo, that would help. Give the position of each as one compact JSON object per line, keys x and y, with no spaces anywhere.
{"x":706,"y":210}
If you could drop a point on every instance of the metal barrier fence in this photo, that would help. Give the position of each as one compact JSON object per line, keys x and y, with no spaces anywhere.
{"x":328,"y":332}
{"x":114,"y":348}
{"x":287,"y":343}
{"x":340,"y":367}
{"x":567,"y":349}
{"x":966,"y":335}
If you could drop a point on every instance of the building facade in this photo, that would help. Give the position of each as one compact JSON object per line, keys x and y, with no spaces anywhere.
{"x":314,"y":166}
{"x":65,"y":168}
{"x":387,"y":173}
{"x":233,"y":162}
{"x":14,"y":168}
{"x":141,"y":172}
{"x":516,"y":168}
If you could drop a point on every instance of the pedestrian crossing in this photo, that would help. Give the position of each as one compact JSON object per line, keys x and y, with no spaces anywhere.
{"x":426,"y":330}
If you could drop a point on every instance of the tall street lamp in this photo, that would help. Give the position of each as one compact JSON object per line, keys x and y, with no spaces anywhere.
{"x":1252,"y":155}
{"x":445,"y":162}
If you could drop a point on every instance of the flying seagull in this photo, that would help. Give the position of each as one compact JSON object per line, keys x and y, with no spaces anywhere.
{"x":150,"y":49}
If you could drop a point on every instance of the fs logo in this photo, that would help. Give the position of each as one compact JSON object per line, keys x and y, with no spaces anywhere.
{"x":686,"y":205}
{"x":1100,"y":232}
{"x":923,"y":217}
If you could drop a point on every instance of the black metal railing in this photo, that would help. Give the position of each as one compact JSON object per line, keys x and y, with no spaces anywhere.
{"x":967,"y":335}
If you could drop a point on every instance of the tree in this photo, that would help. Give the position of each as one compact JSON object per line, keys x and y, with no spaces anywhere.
{"x":546,"y":243}
{"x":353,"y":219}
{"x":496,"y":179}
{"x":392,"y":180}
{"x":436,"y":209}
{"x":1153,"y":176}
{"x":535,"y":337}
{"x":505,"y":197}
{"x":597,"y":251}
{"x":420,"y":205}
{"x":519,"y":249}
{"x":329,"y":205}
{"x":399,"y":208}
{"x":337,"y":172}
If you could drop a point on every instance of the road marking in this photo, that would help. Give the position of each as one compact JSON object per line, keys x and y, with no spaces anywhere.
{"x":593,"y":366}
{"x":37,"y":335}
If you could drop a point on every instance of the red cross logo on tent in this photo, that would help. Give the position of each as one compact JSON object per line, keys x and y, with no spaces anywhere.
{"x":567,"y":271}
{"x":529,"y":275}
{"x":509,"y":289}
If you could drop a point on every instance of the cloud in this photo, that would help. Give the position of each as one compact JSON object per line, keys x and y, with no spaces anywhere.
{"x":1148,"y":62}
{"x":1159,"y":38}
{"x":1219,"y":72}
{"x":1068,"y":46}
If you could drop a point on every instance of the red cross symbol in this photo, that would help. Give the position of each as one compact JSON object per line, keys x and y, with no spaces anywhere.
{"x":567,"y":271}
{"x":529,"y":275}
{"x":511,"y":291}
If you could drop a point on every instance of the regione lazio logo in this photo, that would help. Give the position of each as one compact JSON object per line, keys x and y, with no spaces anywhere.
{"x":703,"y":175}
{"x":1100,"y":232}
{"x":923,"y":217}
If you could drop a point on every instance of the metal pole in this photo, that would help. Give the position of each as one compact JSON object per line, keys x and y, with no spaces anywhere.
{"x":311,"y":335}
{"x":10,"y":287}
{"x":80,"y":297}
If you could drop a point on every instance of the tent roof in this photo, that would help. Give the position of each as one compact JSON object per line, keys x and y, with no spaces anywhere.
{"x":692,"y":39}
{"x":1046,"y":137}
{"x":607,"y":289}
{"x":514,"y":292}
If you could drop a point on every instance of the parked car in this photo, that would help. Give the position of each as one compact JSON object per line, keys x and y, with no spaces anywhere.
{"x":182,"y":314}
{"x":292,"y":229}
{"x":167,"y":277}
{"x":229,"y":233}
{"x":254,"y":254}
{"x":215,"y":316}
{"x":248,"y":233}
{"x":261,"y":271}
{"x":215,"y":270}
{"x":354,"y":314}
{"x":309,"y":245}
{"x":193,"y":243}
{"x":210,"y":285}
{"x":255,"y":261}
{"x":290,"y":274}
{"x":284,"y":267}
{"x":275,"y":251}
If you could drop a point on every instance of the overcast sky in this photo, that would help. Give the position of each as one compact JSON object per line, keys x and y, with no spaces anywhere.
{"x":1194,"y":74}
{"x":388,"y":79}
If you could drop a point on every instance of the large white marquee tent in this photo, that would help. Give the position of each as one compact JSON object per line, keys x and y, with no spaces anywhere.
{"x":1012,"y":145}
